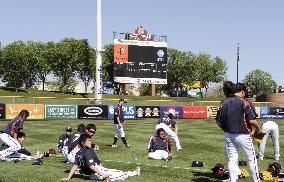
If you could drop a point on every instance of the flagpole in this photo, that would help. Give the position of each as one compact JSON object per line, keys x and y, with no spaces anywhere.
{"x":238,"y":59}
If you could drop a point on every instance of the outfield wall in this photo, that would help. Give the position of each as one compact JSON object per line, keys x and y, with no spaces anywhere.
{"x":69,"y":112}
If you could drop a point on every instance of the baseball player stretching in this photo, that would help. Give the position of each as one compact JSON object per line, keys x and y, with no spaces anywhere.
{"x":235,"y":117}
{"x":88,"y":160}
{"x":160,"y":146}
{"x":271,"y":128}
{"x":118,"y":121}
{"x":9,"y":134}
{"x":168,"y":123}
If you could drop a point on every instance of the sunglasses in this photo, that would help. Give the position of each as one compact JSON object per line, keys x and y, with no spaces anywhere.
{"x":92,"y":131}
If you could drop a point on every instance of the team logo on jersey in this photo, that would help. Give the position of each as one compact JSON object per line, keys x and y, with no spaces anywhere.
{"x":91,"y":161}
{"x":93,"y":111}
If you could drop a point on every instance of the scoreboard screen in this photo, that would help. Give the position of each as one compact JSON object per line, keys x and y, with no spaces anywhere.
{"x":140,"y":61}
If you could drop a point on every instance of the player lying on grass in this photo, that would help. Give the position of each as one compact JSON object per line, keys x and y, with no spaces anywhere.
{"x":90,"y":164}
{"x":9,"y":134}
{"x":22,"y":154}
{"x":64,"y":138}
{"x":75,"y":147}
{"x":160,"y":146}
{"x":167,"y":123}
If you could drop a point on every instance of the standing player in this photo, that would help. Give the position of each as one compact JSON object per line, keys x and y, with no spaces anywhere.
{"x":271,"y":128}
{"x":9,"y":134}
{"x":168,"y":123}
{"x":236,"y":119}
{"x":118,"y":121}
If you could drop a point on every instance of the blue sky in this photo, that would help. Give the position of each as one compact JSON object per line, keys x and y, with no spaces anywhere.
{"x":213,"y":27}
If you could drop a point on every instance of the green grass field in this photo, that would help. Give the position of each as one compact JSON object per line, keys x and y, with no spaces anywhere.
{"x":200,"y":139}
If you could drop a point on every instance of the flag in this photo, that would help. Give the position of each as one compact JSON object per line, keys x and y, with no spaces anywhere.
{"x":238,"y":53}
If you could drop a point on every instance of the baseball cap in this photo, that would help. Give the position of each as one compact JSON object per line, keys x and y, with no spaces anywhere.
{"x":122,"y":100}
{"x":276,"y":166}
{"x":69,"y":129}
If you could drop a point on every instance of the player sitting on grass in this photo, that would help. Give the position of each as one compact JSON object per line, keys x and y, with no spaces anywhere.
{"x":160,"y":146}
{"x":64,"y":138}
{"x":21,"y":154}
{"x":167,"y":123}
{"x":9,"y":134}
{"x":75,"y":147}
{"x":68,"y":141}
{"x":89,"y":163}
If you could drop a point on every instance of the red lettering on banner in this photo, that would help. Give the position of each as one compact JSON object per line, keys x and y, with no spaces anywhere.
{"x":194,"y":112}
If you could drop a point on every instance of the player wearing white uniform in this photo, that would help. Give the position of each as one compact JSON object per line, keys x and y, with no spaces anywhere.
{"x":271,"y":128}
{"x":160,"y":146}
{"x":90,"y":163}
{"x":236,"y":118}
{"x":168,"y":123}
{"x":9,"y":134}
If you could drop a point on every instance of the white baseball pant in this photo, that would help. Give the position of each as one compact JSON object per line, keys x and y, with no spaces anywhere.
{"x":271,"y":128}
{"x":158,"y":155}
{"x":169,"y":133}
{"x":71,"y":156}
{"x":234,"y":141}
{"x":119,"y":131}
{"x":13,"y":144}
{"x":116,"y":174}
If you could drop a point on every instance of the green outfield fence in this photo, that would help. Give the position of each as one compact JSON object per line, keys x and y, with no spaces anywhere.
{"x":132,"y":101}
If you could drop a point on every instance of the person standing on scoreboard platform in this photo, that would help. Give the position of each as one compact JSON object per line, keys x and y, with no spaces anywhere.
{"x":118,"y":121}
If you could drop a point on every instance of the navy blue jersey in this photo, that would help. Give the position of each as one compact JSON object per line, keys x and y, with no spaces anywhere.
{"x":159,"y":144}
{"x":87,"y":157}
{"x":14,"y":126}
{"x":167,"y":121}
{"x":74,"y":141}
{"x":118,"y":112}
{"x":234,"y":115}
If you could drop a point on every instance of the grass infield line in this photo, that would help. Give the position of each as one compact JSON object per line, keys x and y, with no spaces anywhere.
{"x":174,"y":167}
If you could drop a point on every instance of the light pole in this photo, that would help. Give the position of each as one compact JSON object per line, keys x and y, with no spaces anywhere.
{"x":98,"y":85}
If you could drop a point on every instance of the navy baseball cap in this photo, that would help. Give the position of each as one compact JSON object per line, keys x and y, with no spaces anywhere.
{"x":69,"y":129}
{"x":120,"y":100}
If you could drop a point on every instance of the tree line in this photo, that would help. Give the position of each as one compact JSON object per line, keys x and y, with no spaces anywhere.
{"x":26,"y":64}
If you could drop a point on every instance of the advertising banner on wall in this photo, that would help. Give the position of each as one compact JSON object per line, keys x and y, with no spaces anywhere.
{"x":271,"y":112}
{"x":2,"y":111}
{"x":36,"y":110}
{"x":128,"y":111}
{"x":194,"y":112}
{"x":60,"y":112}
{"x":147,"y":111}
{"x":212,"y":111}
{"x":92,"y":111}
{"x":177,"y":111}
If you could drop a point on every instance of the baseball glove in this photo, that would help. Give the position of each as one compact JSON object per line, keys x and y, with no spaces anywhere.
{"x":52,"y":151}
{"x":258,"y":136}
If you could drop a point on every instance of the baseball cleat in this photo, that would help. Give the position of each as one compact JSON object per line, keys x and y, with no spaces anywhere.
{"x":127,"y":146}
{"x":114,"y":146}
{"x":179,"y":149}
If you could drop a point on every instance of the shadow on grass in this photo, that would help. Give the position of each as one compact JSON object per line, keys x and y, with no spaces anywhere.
{"x":78,"y":176}
{"x":11,"y":89}
{"x":205,"y":177}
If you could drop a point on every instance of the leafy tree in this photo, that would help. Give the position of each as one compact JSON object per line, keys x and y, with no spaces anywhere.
{"x":259,"y":82}
{"x":85,"y":67}
{"x":208,"y":70}
{"x":46,"y":55}
{"x":179,"y":68}
{"x":14,"y":64}
{"x":69,"y":54}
